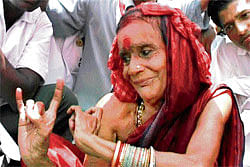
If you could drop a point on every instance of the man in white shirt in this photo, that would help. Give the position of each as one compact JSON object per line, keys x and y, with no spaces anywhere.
{"x":97,"y":20}
{"x":231,"y":56}
{"x":26,"y":34}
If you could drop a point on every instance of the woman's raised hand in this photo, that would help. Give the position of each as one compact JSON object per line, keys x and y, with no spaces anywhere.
{"x":83,"y":125}
{"x":35,"y":126}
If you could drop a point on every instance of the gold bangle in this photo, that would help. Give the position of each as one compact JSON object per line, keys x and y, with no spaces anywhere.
{"x":148,"y":158}
{"x":122,"y":156}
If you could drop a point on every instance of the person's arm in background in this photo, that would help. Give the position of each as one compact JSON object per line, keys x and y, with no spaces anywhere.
{"x":67,"y":17}
{"x":32,"y":67}
{"x":195,"y":10}
{"x":12,"y":78}
{"x":241,"y":88}
{"x":240,"y":85}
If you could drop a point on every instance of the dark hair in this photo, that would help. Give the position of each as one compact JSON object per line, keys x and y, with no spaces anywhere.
{"x":215,"y":7}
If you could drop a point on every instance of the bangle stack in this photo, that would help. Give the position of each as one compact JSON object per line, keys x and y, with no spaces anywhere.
{"x":126,"y":155}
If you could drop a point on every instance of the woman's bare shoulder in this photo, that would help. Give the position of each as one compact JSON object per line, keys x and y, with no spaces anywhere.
{"x":117,"y":119}
{"x":221,"y":102}
{"x":111,"y":102}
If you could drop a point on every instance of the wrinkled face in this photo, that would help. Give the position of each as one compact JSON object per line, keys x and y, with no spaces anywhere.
{"x":26,"y":5}
{"x":137,"y":2}
{"x":236,"y":21}
{"x":143,"y":52}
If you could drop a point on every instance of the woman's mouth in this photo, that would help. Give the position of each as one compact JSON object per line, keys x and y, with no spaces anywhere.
{"x":143,"y":82}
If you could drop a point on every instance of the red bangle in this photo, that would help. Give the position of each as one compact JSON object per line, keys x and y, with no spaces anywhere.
{"x":115,"y":156}
{"x":119,"y":154}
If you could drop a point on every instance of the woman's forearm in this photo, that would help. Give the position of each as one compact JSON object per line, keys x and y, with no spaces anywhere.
{"x":98,"y":147}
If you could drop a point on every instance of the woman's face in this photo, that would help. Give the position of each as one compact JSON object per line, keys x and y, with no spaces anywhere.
{"x":143,"y":52}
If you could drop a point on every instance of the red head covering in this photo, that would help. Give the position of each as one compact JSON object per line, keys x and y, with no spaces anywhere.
{"x":187,"y":91}
{"x":187,"y":61}
{"x":184,"y":50}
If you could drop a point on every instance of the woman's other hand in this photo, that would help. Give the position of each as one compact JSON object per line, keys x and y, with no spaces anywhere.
{"x":83,"y":125}
{"x":35,"y":126}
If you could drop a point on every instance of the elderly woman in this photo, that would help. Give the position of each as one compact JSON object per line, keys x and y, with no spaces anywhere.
{"x":162,"y":111}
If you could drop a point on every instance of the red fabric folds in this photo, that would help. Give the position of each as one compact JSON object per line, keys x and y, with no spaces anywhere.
{"x":62,"y":153}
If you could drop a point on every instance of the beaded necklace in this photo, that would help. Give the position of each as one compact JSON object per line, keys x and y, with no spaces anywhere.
{"x":139,"y":112}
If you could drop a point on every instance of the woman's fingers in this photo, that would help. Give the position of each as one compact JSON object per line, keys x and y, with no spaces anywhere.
{"x":56,"y":100}
{"x":20,"y":106}
{"x":98,"y":115}
{"x":72,"y":109}
{"x":90,"y":111}
{"x":93,"y":118}
{"x":72,"y":124}
{"x":41,"y":107}
{"x":50,"y":114}
{"x":32,"y":110}
{"x":19,"y":98}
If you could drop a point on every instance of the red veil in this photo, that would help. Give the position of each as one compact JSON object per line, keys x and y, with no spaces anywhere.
{"x":187,"y":92}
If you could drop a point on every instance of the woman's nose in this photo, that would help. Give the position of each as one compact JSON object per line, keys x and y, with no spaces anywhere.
{"x":135,"y":65}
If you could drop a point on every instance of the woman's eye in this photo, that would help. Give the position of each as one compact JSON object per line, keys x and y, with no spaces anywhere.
{"x":145,"y":53}
{"x":126,"y":58}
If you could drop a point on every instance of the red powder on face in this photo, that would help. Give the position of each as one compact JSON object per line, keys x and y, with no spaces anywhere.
{"x":126,"y":43}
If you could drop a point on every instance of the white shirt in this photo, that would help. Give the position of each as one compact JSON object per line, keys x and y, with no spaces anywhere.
{"x":64,"y":61}
{"x":231,"y":65}
{"x":26,"y":44}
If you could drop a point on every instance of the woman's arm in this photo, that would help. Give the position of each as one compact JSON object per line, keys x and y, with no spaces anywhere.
{"x":116,"y":124}
{"x":117,"y":119}
{"x":202,"y":150}
{"x":204,"y":146}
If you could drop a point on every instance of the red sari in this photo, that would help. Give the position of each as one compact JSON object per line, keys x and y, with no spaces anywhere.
{"x":187,"y":93}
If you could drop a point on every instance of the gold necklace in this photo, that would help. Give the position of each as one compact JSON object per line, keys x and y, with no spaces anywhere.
{"x":139,"y":112}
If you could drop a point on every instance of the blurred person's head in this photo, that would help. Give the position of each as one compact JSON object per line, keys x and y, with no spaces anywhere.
{"x":233,"y":17}
{"x":137,"y":2}
{"x":25,"y":5}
